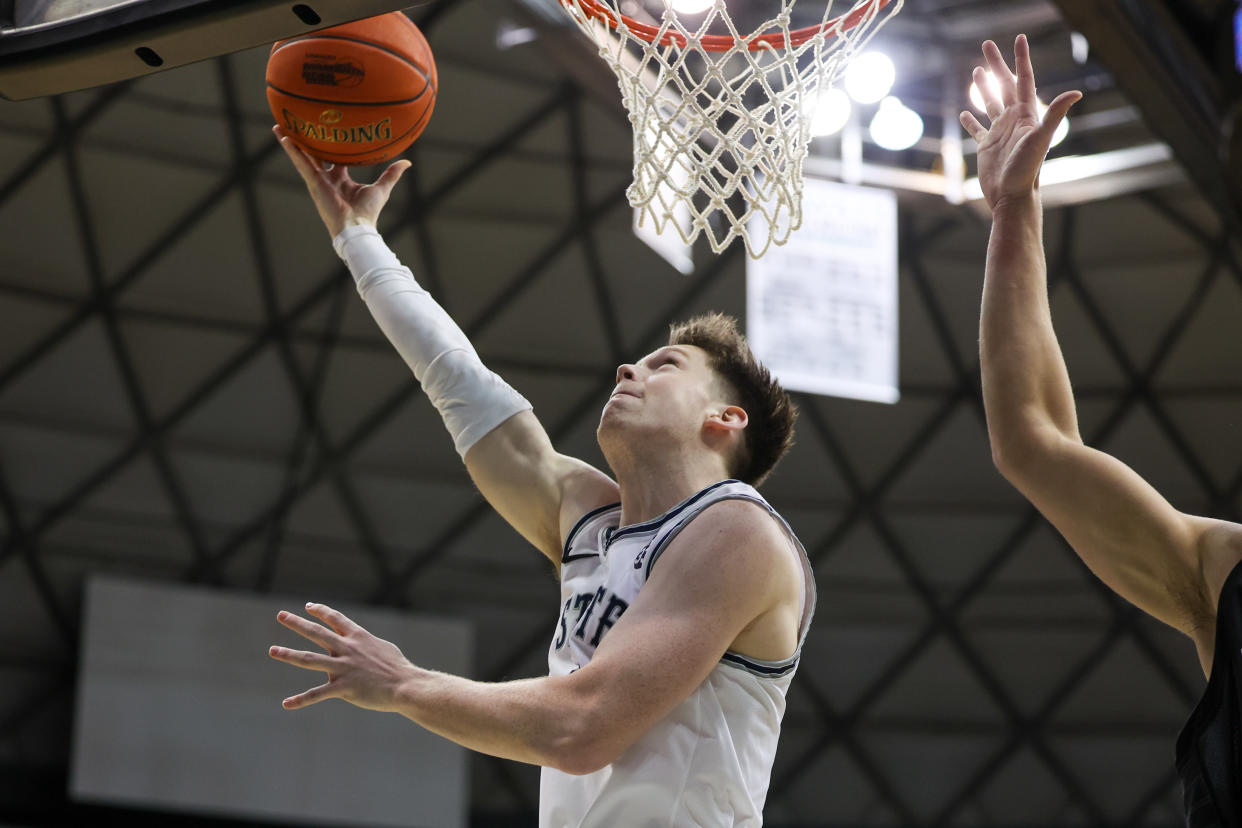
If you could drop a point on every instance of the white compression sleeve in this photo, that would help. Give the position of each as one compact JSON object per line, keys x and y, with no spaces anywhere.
{"x":471,"y":399}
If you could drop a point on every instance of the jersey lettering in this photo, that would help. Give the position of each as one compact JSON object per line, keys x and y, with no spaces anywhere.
{"x":638,"y":559}
{"x":612,"y":612}
{"x":560,"y":637}
{"x":585,"y":603}
{"x":590,"y":601}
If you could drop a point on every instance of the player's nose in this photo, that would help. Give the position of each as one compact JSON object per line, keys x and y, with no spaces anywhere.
{"x":626,"y":371}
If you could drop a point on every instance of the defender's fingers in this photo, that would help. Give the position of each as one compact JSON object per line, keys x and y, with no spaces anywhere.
{"x":972,"y":126}
{"x":1026,"y":72}
{"x":991,"y":100}
{"x":1057,"y":110}
{"x":1004,"y":78}
{"x":334,"y":619}
{"x":317,"y":633}
{"x":301,"y":658}
{"x":311,"y":696}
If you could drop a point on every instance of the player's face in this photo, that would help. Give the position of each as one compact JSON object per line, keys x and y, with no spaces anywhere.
{"x":669,"y":392}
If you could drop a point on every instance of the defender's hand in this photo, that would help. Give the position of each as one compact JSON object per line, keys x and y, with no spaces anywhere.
{"x":1012,"y":151}
{"x":363,"y":670}
{"x":341,"y":201}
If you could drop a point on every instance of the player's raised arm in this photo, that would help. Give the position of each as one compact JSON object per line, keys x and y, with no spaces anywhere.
{"x":503,"y":445}
{"x":1167,"y":563}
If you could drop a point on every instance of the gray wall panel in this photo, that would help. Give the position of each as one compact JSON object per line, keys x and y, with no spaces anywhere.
{"x":179,"y":707}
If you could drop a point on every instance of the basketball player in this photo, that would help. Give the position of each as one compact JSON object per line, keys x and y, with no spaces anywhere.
{"x":1178,"y":568}
{"x":684,"y":597}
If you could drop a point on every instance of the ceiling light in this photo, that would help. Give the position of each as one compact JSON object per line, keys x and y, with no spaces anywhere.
{"x":509,"y":35}
{"x":1079,"y":47}
{"x":829,"y":111}
{"x":870,"y":77}
{"x":896,"y":126}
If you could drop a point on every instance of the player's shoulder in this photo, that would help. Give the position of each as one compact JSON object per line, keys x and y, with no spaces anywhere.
{"x":740,"y":512}
{"x":735,"y":547}
{"x":733,"y":527}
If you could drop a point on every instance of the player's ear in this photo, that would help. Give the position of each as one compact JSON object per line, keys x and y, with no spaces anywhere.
{"x":730,"y":418}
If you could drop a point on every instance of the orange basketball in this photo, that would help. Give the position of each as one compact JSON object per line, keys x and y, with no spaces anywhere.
{"x":355,"y":94}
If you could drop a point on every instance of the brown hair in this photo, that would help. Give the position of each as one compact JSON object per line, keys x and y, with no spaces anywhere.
{"x":770,"y":411}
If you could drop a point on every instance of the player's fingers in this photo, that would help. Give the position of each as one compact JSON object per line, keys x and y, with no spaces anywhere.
{"x":338,"y":175}
{"x":972,"y":126}
{"x":334,"y":619}
{"x":392,"y":175}
{"x":1000,"y":70}
{"x":317,"y":633}
{"x":991,"y":101}
{"x":311,"y":696}
{"x":301,"y":162}
{"x":301,"y":658}
{"x":1026,"y":72}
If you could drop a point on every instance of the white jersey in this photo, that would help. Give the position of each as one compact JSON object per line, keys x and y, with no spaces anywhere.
{"x":708,"y":762}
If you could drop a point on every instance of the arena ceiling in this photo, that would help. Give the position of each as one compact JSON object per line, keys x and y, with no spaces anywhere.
{"x":190,"y":391}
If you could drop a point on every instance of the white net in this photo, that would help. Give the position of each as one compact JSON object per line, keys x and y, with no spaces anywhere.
{"x":722,"y":121}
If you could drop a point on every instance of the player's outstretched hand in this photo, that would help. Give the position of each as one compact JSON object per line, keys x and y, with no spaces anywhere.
{"x":362,"y":669}
{"x":341,"y":201}
{"x":1012,"y":150}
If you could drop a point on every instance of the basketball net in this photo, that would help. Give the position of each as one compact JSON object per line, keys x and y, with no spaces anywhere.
{"x":722,"y":121}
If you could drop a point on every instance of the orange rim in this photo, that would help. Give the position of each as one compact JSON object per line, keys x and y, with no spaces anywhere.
{"x":723,"y":43}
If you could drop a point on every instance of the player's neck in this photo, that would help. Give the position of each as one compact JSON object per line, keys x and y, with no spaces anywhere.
{"x":648,"y":490}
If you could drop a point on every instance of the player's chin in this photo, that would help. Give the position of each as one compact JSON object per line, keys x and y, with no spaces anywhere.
{"x":613,"y":418}
{"x":608,"y":415}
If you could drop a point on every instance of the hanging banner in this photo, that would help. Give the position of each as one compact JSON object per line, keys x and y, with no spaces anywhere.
{"x":821,"y":309}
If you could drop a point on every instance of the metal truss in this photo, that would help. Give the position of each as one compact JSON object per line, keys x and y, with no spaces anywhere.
{"x":313,"y":456}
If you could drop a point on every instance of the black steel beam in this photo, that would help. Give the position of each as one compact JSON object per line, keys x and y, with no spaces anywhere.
{"x":62,"y":507}
{"x":305,"y":393}
{"x":1159,"y":69}
{"x":119,"y":350}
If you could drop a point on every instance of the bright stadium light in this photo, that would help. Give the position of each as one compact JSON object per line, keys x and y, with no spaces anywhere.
{"x":896,"y":126}
{"x":870,"y":77}
{"x":831,"y":109}
{"x":692,"y":6}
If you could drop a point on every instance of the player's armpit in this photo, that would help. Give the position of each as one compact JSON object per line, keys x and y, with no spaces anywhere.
{"x":530,"y":485}
{"x":725,"y":571}
{"x":1123,"y":529}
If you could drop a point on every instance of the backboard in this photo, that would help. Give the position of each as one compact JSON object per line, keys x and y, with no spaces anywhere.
{"x":52,"y":46}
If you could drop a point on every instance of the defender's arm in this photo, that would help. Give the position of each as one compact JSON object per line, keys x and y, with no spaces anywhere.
{"x":1128,"y":534}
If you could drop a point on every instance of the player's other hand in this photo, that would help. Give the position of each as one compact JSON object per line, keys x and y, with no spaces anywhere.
{"x":362,"y":669}
{"x":1012,"y":149}
{"x":341,"y":201}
